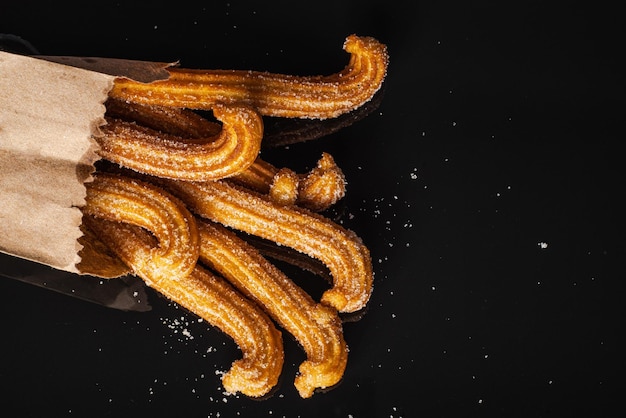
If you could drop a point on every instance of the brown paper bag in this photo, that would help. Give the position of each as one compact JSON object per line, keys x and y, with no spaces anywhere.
{"x":49,"y":112}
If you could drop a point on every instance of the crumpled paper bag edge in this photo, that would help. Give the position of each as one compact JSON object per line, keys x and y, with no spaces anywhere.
{"x":142,"y":71}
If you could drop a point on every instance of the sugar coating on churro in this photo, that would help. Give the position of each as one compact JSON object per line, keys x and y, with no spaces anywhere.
{"x":187,"y":181}
{"x":279,"y":95}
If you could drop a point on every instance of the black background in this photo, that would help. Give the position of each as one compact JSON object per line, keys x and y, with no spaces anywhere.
{"x":488,"y":186}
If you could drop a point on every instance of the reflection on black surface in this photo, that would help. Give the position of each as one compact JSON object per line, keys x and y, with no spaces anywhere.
{"x":16,"y":45}
{"x":284,"y":131}
{"x":125,"y":293}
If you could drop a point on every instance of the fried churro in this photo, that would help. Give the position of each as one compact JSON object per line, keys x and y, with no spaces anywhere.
{"x":158,"y":239}
{"x":316,"y":327}
{"x":188,"y":182}
{"x":165,"y":155}
{"x":314,"y":97}
{"x":317,"y":190}
{"x":341,"y":250}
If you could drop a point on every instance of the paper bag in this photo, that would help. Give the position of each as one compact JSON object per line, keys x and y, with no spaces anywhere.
{"x":49,"y":113}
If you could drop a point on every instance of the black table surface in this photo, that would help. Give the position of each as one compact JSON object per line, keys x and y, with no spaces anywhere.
{"x":487,"y":184}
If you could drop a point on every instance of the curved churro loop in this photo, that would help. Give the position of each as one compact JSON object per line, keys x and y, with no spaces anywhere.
{"x":341,"y":250}
{"x":316,"y":327}
{"x":122,"y":199}
{"x":214,"y":300}
{"x":318,"y":190}
{"x":211,"y":298}
{"x":151,"y":152}
{"x":315,"y":97}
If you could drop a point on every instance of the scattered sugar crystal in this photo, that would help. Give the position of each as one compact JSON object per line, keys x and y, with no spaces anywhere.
{"x":543,"y":245}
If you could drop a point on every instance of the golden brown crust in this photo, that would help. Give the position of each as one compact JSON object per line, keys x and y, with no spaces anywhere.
{"x":316,"y":97}
{"x":284,"y":187}
{"x":175,"y":121}
{"x":165,"y":155}
{"x":324,"y":186}
{"x":317,"y":190}
{"x":122,"y":199}
{"x":341,"y":250}
{"x":133,"y":224}
{"x":316,"y":327}
{"x":117,"y":211}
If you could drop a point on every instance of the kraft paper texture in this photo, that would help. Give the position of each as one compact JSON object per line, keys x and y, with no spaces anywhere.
{"x":49,"y":113}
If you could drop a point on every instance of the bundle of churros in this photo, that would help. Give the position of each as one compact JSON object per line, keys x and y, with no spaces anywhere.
{"x":178,"y":189}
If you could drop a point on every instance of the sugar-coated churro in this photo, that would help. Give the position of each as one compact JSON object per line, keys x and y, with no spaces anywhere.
{"x":315,"y":97}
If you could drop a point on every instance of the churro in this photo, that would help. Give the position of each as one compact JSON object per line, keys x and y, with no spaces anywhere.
{"x":316,"y":327}
{"x":341,"y":250}
{"x":317,"y":190}
{"x":165,"y":258}
{"x":315,"y":97}
{"x":165,"y":155}
{"x":188,"y":183}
